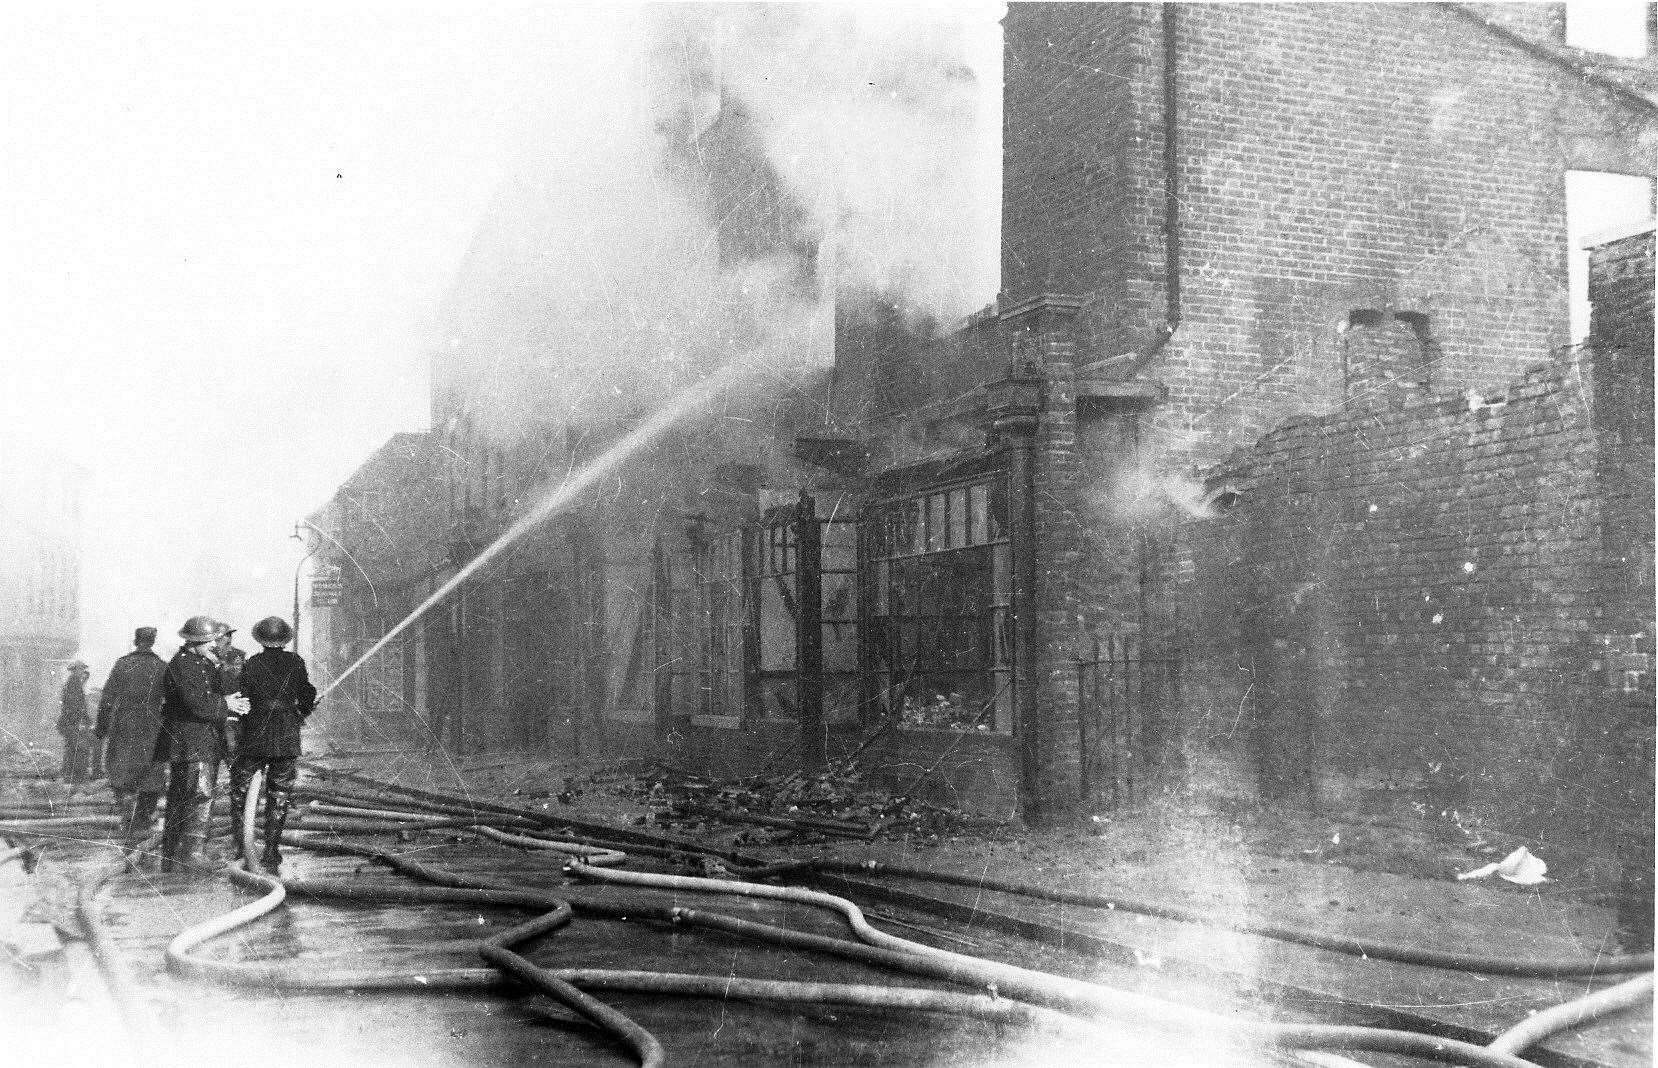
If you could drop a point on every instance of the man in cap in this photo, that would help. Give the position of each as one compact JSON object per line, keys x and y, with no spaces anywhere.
{"x":129,"y":718}
{"x":75,"y":726}
{"x":191,"y":739}
{"x":231,"y":660}
{"x":280,"y":697}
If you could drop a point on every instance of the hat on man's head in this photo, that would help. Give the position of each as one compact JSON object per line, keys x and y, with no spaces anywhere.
{"x":78,"y":665}
{"x":144,"y":636}
{"x":200,"y":629}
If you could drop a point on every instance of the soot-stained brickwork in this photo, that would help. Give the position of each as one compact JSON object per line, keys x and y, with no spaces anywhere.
{"x":1445,"y":599}
{"x":1621,"y":280}
{"x":1327,"y":159}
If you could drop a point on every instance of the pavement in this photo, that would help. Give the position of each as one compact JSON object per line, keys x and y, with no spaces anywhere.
{"x":1185,"y":855}
{"x":1164,"y":852}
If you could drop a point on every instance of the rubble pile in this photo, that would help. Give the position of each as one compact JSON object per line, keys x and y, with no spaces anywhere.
{"x":835,"y":803}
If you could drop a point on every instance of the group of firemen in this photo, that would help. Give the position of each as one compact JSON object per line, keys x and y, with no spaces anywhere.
{"x":172,"y":725}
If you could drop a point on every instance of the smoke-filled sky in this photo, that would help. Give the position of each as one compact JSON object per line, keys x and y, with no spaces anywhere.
{"x":234,"y":238}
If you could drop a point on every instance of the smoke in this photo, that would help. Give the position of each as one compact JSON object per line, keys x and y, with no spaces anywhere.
{"x":698,"y":184}
{"x":882,"y":124}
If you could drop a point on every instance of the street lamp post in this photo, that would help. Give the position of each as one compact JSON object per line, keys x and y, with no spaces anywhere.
{"x":297,"y":536}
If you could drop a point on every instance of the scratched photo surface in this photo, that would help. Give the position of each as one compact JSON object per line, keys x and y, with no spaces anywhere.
{"x":960,"y":534}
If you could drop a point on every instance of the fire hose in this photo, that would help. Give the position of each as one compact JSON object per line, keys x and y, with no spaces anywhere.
{"x":1404,"y":954}
{"x":1355,"y":947}
{"x":1045,"y":990}
{"x":961,"y":968}
{"x":1628,"y":994}
{"x":562,"y":985}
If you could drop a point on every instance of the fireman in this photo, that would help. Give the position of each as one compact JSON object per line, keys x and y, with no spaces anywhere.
{"x":75,"y":726}
{"x":129,"y":718}
{"x":192,"y":739}
{"x":280,"y":697}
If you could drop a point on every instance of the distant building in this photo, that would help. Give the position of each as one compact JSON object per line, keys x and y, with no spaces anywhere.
{"x":377,"y":537}
{"x":40,"y":583}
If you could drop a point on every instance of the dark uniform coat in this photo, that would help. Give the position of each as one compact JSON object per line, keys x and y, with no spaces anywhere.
{"x":280,"y":696}
{"x":73,"y":722}
{"x":129,"y":717}
{"x":231,"y":660}
{"x":193,"y":712}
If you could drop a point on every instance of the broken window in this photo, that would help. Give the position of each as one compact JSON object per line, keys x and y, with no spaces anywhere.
{"x":629,"y":644}
{"x":708,"y":625}
{"x":941,"y":612}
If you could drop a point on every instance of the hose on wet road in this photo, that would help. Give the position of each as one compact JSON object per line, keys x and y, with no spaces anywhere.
{"x":1040,"y":996}
{"x":1478,"y":963}
{"x":1629,"y":994}
{"x":1483,"y":964}
{"x":1589,"y":966}
{"x":1040,"y":989}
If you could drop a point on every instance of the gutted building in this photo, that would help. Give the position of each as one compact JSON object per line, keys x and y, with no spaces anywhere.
{"x":1272,"y":461}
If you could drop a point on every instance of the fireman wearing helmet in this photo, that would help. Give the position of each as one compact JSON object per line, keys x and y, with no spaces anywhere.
{"x":192,"y":739}
{"x":280,"y":697}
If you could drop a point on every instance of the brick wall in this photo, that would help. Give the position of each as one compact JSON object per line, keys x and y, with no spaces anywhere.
{"x":1402,"y":601}
{"x":1621,"y":290}
{"x":1330,"y":158}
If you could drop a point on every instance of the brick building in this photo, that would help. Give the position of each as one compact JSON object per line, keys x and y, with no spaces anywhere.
{"x":375,"y":537}
{"x":1263,"y":268}
{"x":40,"y":583}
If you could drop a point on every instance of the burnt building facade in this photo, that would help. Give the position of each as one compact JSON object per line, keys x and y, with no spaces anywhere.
{"x":40,"y":583}
{"x":1263,"y":267}
{"x":378,"y":539}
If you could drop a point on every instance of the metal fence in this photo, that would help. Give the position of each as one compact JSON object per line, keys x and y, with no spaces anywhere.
{"x":1124,"y":701}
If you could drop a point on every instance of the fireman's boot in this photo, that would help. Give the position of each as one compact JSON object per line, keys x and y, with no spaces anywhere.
{"x":276,"y":817}
{"x":124,"y":801}
{"x":238,"y":798}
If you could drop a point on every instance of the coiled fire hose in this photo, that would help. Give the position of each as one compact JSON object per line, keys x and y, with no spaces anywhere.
{"x":1004,"y":980}
{"x":561,"y":984}
{"x":1355,"y":947}
{"x":1296,"y":1036}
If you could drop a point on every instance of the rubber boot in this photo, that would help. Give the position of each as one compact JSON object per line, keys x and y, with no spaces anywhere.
{"x":276,"y":817}
{"x":238,"y":797}
{"x":139,"y":823}
{"x":124,"y":801}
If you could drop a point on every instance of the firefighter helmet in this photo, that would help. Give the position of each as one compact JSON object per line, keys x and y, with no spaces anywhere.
{"x":200,"y":629}
{"x":272,"y":630}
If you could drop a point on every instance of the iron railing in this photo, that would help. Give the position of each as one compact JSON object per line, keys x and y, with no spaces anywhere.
{"x":1124,"y":700}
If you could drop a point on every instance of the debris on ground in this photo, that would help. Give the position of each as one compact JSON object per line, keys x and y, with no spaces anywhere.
{"x":838,"y":802}
{"x":1518,"y":867}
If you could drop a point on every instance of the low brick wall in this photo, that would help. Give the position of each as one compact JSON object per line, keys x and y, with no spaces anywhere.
{"x":1402,"y":602}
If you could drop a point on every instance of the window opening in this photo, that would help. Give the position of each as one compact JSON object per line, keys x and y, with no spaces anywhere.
{"x":707,"y":679}
{"x":1597,"y":202}
{"x":1610,"y":27}
{"x":941,"y":611}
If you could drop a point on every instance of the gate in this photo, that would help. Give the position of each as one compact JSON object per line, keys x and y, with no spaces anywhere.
{"x":1123,"y":703}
